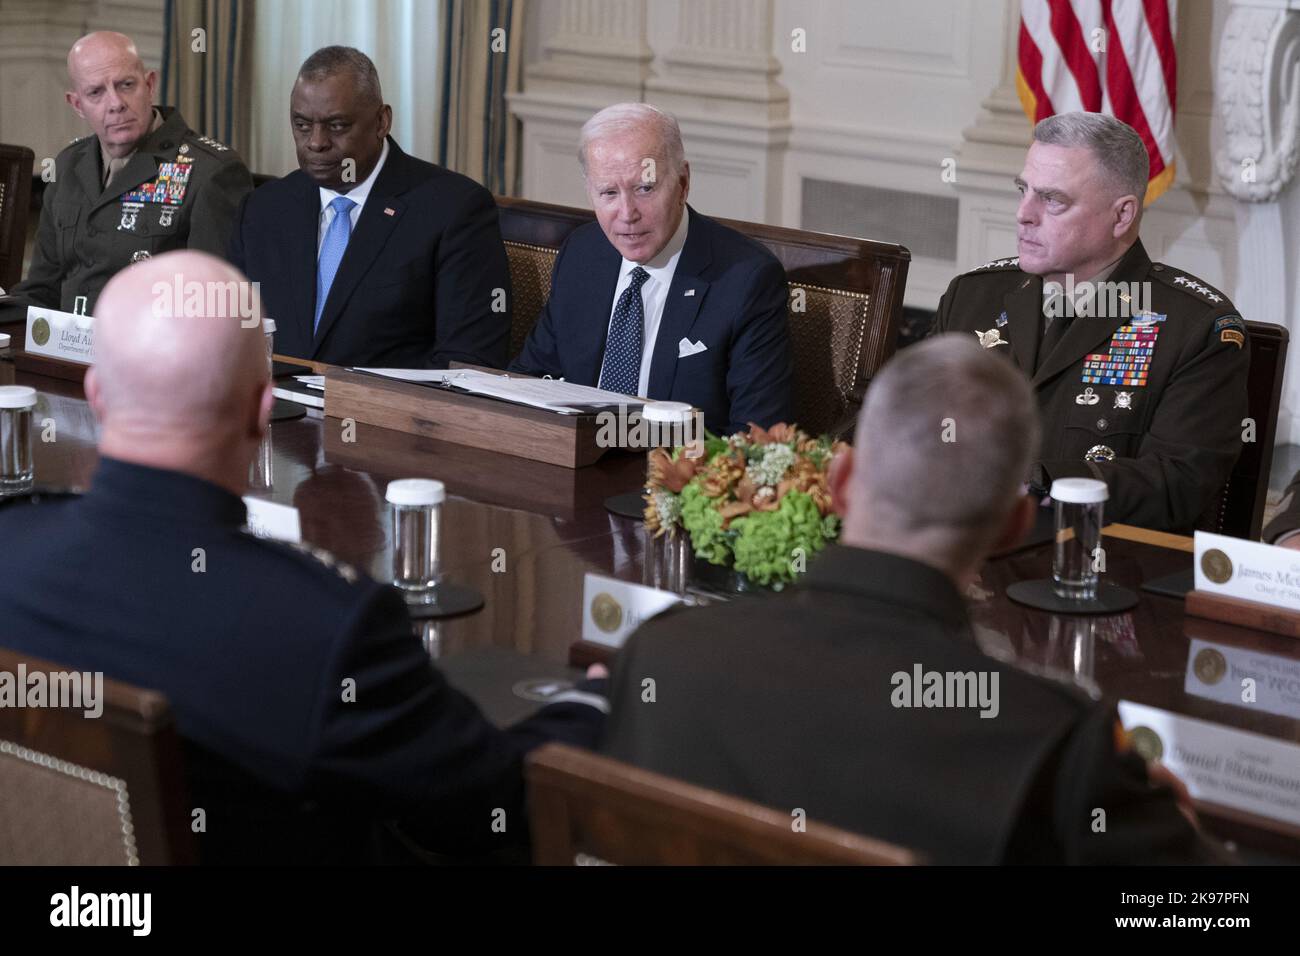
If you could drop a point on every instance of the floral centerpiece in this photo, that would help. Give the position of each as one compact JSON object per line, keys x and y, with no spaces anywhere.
{"x":757,"y":502}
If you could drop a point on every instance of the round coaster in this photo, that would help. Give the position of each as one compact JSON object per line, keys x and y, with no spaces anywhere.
{"x":1110,"y":599}
{"x":286,"y":411}
{"x":451,"y":600}
{"x":627,"y":505}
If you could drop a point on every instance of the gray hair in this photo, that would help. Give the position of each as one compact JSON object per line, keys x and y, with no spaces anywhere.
{"x":629,"y":117}
{"x":332,"y":60}
{"x":945,"y":437}
{"x":1116,"y":145}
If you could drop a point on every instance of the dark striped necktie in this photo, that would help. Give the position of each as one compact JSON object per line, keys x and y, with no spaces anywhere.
{"x":621,"y":369}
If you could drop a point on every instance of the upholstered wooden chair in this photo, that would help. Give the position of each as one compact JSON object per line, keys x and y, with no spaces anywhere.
{"x":78,"y":790}
{"x":1238,"y":509}
{"x":16,"y":163}
{"x":586,"y":808}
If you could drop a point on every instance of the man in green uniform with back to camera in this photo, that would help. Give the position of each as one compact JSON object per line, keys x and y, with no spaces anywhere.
{"x":1139,"y":368}
{"x":144,"y":183}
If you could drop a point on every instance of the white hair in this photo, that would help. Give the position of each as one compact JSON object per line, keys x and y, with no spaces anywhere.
{"x":634,"y":117}
{"x":1116,"y":145}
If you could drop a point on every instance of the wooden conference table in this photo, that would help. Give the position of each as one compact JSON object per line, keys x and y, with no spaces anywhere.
{"x":525,"y":534}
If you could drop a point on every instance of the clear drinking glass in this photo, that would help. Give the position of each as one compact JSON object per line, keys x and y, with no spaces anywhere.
{"x":667,"y":562}
{"x":430,"y":631}
{"x":17,"y":471}
{"x":416,"y":505}
{"x":261,"y":473}
{"x":268,"y":333}
{"x":670,"y":424}
{"x":1079,"y":503}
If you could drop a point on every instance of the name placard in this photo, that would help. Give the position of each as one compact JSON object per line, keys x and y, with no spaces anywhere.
{"x":269,"y":519}
{"x":613,"y":609}
{"x":1244,"y":678}
{"x":1247,"y":570}
{"x":61,"y":335}
{"x":1233,"y":768}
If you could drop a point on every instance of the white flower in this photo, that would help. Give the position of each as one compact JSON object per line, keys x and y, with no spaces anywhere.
{"x":669,"y":507}
{"x":771,"y":467}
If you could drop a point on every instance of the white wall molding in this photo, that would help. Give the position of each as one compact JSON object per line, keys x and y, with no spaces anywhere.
{"x":709,"y":63}
{"x":1258,"y":100}
{"x":34,"y":43}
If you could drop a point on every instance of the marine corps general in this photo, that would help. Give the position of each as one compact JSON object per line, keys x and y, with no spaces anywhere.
{"x":144,"y":183}
{"x":1139,"y":369}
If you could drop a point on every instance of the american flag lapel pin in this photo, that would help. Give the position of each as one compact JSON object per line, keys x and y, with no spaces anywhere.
{"x":690,"y":292}
{"x":390,"y":211}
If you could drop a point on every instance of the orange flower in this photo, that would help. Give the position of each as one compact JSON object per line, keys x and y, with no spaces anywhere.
{"x":734,"y":509}
{"x":806,"y":477}
{"x":780,"y":432}
{"x":668,"y":474}
{"x":722,"y":475}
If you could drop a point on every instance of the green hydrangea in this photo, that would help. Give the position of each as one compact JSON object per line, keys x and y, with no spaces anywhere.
{"x":766,"y":541}
{"x":704,"y":524}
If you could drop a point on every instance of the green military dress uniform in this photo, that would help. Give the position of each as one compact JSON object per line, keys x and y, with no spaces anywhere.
{"x":179,"y":190}
{"x":1152,"y":403}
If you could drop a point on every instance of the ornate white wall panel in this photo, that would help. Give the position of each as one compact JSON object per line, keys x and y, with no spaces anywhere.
{"x":34,"y":42}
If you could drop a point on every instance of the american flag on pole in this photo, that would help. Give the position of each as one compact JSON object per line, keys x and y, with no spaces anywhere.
{"x":1103,"y":56}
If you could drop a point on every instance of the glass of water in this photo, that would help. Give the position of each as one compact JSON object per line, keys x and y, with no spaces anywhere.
{"x":261,"y":473}
{"x":268,"y":335}
{"x":1079,"y":503}
{"x":16,"y":469}
{"x":416,"y":505}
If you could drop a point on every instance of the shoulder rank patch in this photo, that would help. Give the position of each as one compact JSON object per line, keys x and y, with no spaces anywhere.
{"x":341,"y":568}
{"x":1011,"y":263}
{"x":1195,"y":286}
{"x":212,"y":144}
{"x":344,"y":570}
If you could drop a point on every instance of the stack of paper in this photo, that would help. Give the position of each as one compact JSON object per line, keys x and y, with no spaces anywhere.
{"x":310,"y":390}
{"x":551,"y":394}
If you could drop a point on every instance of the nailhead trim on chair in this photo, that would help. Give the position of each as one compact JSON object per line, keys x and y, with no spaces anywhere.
{"x":90,"y":776}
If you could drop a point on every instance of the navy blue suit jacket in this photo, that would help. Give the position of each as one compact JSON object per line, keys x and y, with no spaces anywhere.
{"x":253,"y":651}
{"x":417,"y":284}
{"x":737,"y":308}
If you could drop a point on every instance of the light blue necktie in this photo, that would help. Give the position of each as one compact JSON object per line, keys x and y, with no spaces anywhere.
{"x":621,"y":369}
{"x":331,"y":252}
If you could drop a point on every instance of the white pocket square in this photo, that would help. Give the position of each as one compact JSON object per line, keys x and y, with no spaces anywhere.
{"x":686,"y":347}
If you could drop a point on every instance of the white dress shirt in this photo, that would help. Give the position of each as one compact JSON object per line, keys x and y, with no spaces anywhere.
{"x":357,"y":194}
{"x":654,"y":293}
